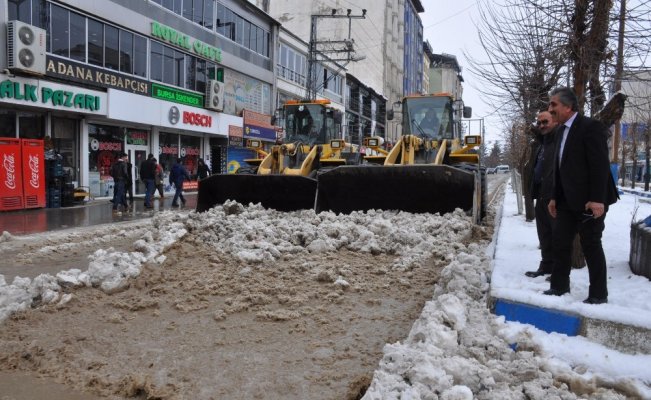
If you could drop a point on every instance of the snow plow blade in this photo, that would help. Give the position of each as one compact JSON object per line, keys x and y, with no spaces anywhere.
{"x":280,"y":192}
{"x":412,"y":188}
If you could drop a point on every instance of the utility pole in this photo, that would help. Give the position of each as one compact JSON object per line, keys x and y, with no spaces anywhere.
{"x":619,"y":71}
{"x":318,"y":49}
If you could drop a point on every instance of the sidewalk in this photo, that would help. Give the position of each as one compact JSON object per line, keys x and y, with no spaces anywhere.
{"x":95,"y":212}
{"x":623,"y":324}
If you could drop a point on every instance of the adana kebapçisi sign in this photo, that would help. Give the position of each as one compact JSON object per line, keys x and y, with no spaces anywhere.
{"x":183,"y":41}
{"x":51,"y":95}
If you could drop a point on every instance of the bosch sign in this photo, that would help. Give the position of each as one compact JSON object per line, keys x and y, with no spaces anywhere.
{"x":197,"y":119}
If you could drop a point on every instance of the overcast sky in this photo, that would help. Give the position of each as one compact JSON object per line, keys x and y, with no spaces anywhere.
{"x":449,"y":26}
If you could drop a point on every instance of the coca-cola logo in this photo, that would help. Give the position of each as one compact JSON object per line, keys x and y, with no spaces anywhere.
{"x":9,"y":165}
{"x":33,"y":167}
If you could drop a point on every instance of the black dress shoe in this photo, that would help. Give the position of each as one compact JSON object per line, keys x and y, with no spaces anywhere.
{"x":536,"y":273}
{"x":595,"y":300}
{"x":555,"y":292}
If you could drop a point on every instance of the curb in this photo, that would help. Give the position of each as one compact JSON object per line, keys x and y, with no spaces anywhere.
{"x":624,"y":338}
{"x":614,"y":335}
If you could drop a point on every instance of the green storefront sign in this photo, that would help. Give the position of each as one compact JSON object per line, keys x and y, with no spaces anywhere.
{"x":56,"y":98}
{"x":178,"y":39}
{"x":176,"y":95}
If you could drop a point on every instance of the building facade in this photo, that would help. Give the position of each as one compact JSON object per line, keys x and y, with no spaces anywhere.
{"x":379,"y":40}
{"x":125,"y":76}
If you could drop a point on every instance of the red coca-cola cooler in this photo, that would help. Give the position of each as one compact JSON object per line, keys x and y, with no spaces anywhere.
{"x":33,"y":153}
{"x":11,"y":186}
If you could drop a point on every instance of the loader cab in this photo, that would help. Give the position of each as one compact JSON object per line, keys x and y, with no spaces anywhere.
{"x":310,"y":122}
{"x":429,"y":116}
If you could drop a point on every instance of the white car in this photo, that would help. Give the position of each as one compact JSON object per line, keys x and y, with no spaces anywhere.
{"x":502,"y":169}
{"x":490,"y":170}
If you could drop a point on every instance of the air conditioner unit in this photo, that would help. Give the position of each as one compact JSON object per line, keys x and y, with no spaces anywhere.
{"x":25,"y":48}
{"x":215,"y":95}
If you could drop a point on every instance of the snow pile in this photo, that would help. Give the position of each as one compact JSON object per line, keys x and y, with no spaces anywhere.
{"x":455,"y":349}
{"x":255,"y":235}
{"x":108,"y":269}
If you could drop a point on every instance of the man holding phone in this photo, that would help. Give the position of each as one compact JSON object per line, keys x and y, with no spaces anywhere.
{"x":582,"y":190}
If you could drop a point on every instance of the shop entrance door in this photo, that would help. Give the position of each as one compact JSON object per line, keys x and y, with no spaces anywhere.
{"x":137,"y":154}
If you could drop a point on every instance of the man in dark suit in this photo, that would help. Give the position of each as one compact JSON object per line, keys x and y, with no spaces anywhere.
{"x":582,"y":190}
{"x":542,"y":159}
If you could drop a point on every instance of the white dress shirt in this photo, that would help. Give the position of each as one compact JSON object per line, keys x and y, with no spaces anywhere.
{"x":567,"y":125}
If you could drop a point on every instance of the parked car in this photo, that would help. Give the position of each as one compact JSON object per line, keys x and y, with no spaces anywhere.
{"x":490,"y":170}
{"x":504,"y":169}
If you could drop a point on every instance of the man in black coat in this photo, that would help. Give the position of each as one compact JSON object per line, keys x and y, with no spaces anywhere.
{"x":148,"y":175}
{"x":582,"y":190}
{"x":541,"y":182}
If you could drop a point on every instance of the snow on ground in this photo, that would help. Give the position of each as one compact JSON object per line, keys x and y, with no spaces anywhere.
{"x":456,"y":349}
{"x":629,"y":295}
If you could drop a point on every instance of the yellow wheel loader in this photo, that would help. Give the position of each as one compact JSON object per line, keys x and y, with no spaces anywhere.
{"x":430,"y":169}
{"x":285,"y":179}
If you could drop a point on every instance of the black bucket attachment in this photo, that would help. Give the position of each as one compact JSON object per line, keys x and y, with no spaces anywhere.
{"x":280,"y":192}
{"x":412,"y":188}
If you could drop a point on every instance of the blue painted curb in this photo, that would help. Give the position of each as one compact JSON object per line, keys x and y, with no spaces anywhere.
{"x":634,"y":191}
{"x":542,"y":318}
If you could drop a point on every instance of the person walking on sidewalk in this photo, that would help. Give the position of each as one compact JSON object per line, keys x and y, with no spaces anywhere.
{"x":202,"y":169}
{"x":148,"y":176}
{"x":159,"y":180}
{"x":542,"y":159}
{"x":582,"y":190}
{"x":129,"y":182}
{"x":119,"y":174}
{"x":178,"y":175}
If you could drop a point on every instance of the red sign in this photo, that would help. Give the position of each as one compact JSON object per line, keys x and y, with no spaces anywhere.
{"x":169,"y":150}
{"x":11,"y":188}
{"x":33,"y":173}
{"x":256,"y":119}
{"x":235,"y":136}
{"x":191,"y":185}
{"x":197,"y":119}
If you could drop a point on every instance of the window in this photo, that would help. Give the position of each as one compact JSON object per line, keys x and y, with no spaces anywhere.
{"x":292,"y":64}
{"x":20,"y":10}
{"x":64,"y":137}
{"x":209,"y":7}
{"x":111,"y":47}
{"x":156,"y":60}
{"x":39,"y":13}
{"x":95,"y":42}
{"x":126,"y":52}
{"x":31,"y":125}
{"x":140,"y":56}
{"x":77,"y":37}
{"x":238,"y":29}
{"x":190,"y":72}
{"x":7,"y":123}
{"x":59,"y":28}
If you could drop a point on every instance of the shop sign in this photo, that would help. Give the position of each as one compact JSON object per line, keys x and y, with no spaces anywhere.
{"x":97,"y":145}
{"x":235,"y":136}
{"x":258,"y":126}
{"x":189,"y":151}
{"x":174,"y":116}
{"x":176,"y":95}
{"x":137,"y":138}
{"x":51,"y":95}
{"x":185,"y":42}
{"x":173,"y":150}
{"x":89,"y":75}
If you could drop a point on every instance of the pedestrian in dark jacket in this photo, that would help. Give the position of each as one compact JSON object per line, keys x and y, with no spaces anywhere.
{"x":119,"y":174}
{"x":582,"y":190}
{"x":178,"y":175}
{"x":148,"y":176}
{"x":129,"y":182}
{"x":202,"y":169}
{"x":541,"y":183}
